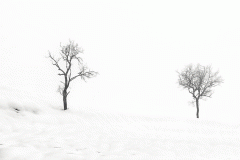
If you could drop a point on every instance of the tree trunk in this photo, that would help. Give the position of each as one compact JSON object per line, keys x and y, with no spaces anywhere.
{"x":65,"y":99}
{"x":65,"y":93}
{"x":197,"y":105}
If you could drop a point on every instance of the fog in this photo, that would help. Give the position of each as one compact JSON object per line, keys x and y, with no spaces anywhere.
{"x":136,"y":47}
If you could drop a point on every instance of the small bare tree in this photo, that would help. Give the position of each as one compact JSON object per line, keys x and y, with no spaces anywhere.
{"x":69,"y":54}
{"x":199,"y":81}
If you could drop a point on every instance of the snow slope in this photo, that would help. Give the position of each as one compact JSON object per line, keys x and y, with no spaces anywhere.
{"x":32,"y":129}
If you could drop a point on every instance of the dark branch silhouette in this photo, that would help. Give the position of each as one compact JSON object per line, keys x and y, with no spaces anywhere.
{"x":199,"y":81}
{"x":69,"y":54}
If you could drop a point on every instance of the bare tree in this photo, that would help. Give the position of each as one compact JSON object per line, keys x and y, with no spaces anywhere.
{"x":69,"y":54}
{"x":199,"y":81}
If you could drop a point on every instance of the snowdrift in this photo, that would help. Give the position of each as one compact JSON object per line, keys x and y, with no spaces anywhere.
{"x":33,"y":129}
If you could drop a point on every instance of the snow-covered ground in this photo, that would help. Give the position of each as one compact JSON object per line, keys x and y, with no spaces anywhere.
{"x":32,"y":129}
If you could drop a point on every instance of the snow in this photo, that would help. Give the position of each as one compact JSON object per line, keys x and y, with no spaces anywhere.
{"x":31,"y":128}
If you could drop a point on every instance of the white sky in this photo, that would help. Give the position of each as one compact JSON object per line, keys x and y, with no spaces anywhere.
{"x":136,"y":46}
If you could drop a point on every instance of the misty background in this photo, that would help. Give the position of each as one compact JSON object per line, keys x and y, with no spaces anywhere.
{"x":136,"y":46}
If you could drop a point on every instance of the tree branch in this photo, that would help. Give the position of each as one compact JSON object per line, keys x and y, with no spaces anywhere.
{"x":83,"y":74}
{"x":56,"y":64}
{"x":200,"y":79}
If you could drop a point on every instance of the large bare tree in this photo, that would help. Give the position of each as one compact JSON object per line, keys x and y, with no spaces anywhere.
{"x":199,"y":81}
{"x":68,"y":54}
